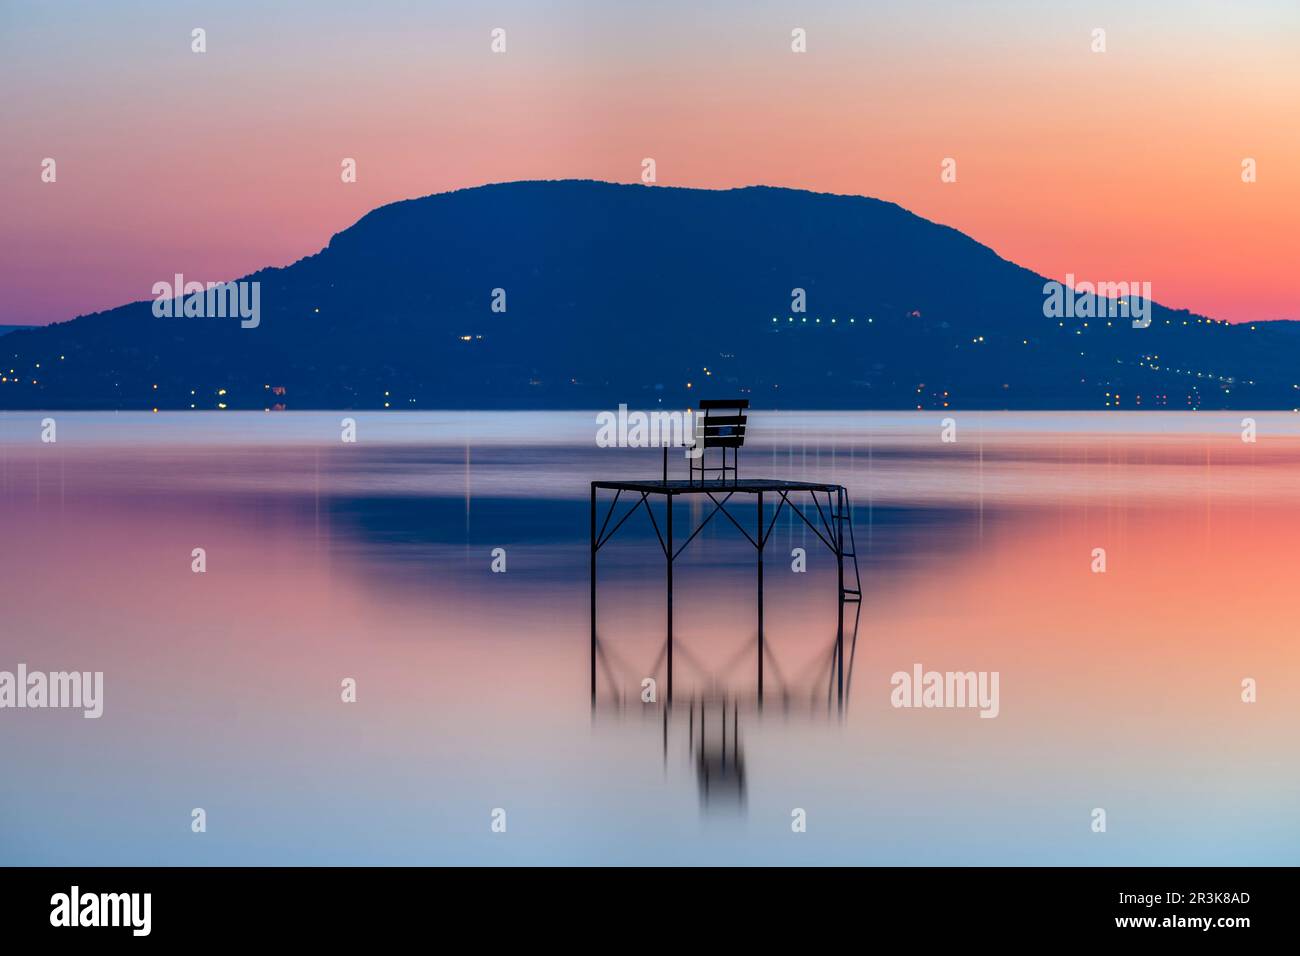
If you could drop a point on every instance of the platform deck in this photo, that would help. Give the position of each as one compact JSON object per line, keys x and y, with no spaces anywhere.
{"x":653,"y":486}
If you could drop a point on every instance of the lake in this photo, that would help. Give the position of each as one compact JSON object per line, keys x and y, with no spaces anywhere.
{"x":324,"y":561}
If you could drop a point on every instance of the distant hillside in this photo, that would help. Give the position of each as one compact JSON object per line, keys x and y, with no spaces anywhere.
{"x":627,"y":294}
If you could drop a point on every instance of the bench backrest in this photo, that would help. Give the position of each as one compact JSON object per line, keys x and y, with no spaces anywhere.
{"x":721,"y":422}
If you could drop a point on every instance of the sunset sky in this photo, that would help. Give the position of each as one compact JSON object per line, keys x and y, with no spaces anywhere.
{"x":1122,"y":165}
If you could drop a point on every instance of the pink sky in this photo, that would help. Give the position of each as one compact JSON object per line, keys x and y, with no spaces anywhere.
{"x":1123,"y":165}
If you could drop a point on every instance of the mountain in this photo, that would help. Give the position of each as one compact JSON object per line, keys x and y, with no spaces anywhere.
{"x":625,"y":294}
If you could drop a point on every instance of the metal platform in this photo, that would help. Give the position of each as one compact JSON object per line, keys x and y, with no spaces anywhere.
{"x":746,"y":486}
{"x":831,"y":521}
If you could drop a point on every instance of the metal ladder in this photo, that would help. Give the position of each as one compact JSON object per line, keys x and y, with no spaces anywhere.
{"x":843,"y":519}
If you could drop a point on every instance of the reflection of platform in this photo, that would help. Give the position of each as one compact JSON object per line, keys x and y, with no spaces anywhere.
{"x":706,"y":727}
{"x":835,"y":518}
{"x":708,"y":719}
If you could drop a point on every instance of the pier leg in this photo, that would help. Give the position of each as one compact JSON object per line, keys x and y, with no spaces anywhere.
{"x":669,"y":498}
{"x":760,"y":541}
{"x":593,"y":595}
{"x":839,"y":561}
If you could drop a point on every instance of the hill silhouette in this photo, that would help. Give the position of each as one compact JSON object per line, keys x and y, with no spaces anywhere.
{"x":625,"y":294}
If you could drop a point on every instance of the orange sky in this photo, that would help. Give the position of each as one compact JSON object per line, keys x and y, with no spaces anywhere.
{"x":1122,"y":165}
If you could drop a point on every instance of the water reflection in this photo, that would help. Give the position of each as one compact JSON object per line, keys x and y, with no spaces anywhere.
{"x":704,"y":726}
{"x":721,"y":773}
{"x":372,"y":561}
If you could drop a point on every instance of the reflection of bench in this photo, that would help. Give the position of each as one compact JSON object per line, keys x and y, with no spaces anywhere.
{"x":716,"y":429}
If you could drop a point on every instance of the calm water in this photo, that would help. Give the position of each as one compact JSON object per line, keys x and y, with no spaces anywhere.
{"x":372,"y":561}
